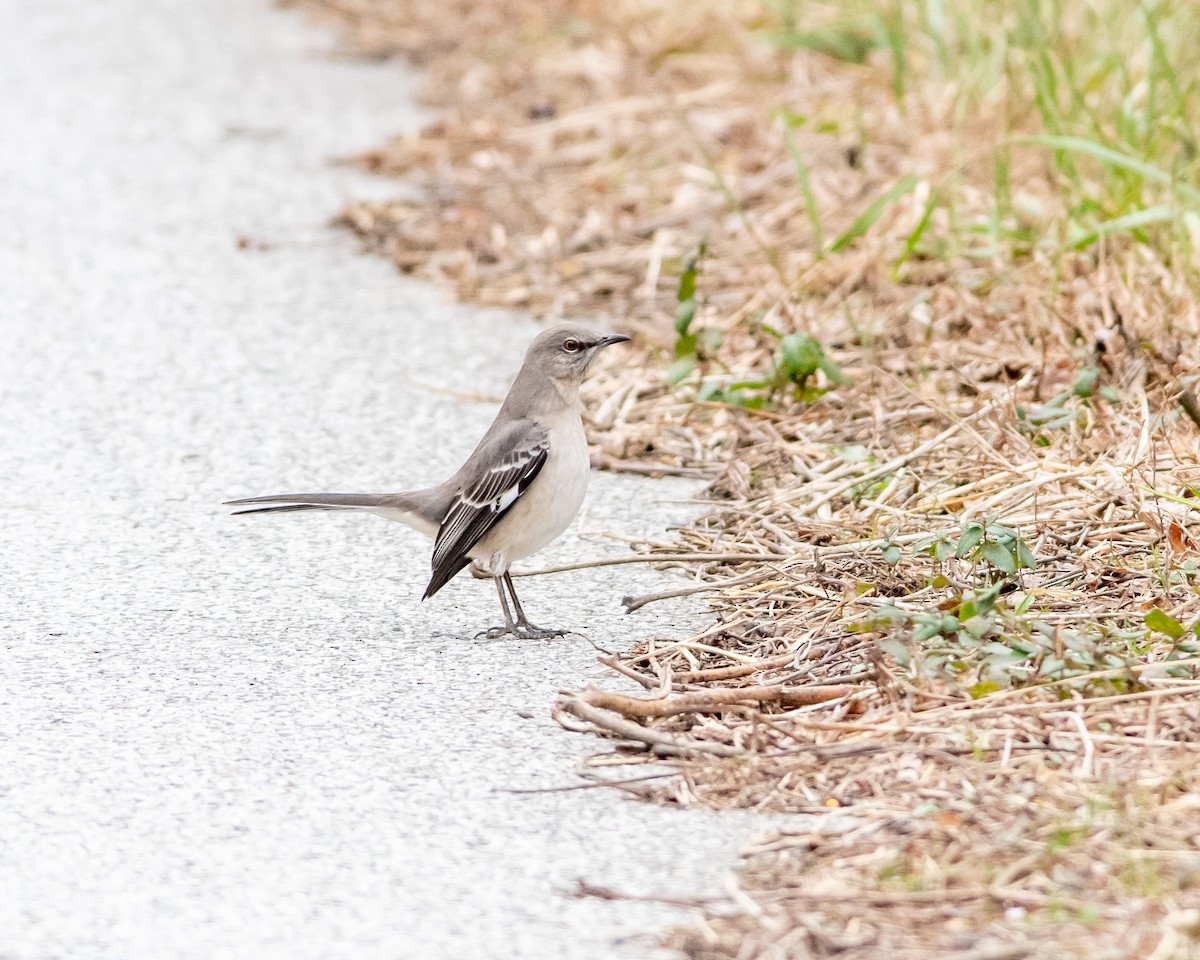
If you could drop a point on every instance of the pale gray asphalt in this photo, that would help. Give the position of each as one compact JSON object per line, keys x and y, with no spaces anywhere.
{"x":231,"y":738}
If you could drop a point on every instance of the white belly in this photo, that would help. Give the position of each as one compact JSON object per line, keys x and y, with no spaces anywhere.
{"x":546,"y":509}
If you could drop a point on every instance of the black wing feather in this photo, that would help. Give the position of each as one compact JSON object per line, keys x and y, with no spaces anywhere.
{"x":479,"y":505}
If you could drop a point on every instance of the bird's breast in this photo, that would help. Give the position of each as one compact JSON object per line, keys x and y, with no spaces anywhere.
{"x":545,"y":510}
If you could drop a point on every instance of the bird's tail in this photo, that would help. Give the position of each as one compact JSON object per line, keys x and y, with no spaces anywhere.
{"x":285,"y":502}
{"x":421,"y":509}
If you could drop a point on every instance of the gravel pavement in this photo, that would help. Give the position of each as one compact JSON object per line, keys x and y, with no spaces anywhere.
{"x":243,"y":738}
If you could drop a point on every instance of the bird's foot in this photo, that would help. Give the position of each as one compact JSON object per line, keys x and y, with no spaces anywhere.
{"x":522,"y":631}
{"x":494,"y":633}
{"x":530,"y":631}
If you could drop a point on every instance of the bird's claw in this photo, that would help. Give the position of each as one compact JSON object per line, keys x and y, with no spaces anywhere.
{"x":527,"y":631}
{"x":522,"y":631}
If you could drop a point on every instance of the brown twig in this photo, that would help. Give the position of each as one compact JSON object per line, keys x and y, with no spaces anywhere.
{"x":663,"y":743}
{"x":632,"y":604}
{"x":731,"y":557}
{"x":602,"y":461}
{"x":585,"y":889}
{"x":713,"y":701}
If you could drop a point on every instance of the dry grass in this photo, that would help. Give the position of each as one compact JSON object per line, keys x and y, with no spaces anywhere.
{"x":955,"y":595}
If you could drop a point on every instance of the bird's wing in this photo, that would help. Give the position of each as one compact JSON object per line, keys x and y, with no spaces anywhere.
{"x":497,"y":474}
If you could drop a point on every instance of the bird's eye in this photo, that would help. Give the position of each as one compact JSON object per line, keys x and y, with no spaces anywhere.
{"x":572,"y":345}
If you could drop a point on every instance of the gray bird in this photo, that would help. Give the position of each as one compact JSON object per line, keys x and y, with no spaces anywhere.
{"x":518,"y":490}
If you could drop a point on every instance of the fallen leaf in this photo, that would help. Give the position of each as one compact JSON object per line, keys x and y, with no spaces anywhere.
{"x":1177,"y":538}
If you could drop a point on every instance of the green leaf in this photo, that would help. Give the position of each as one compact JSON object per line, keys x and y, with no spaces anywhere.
{"x":868,"y":217}
{"x":891,"y":554}
{"x":685,"y":313}
{"x":897,"y":650}
{"x":686,"y":295}
{"x":687,"y":285}
{"x":972,"y":534}
{"x":685,"y":346}
{"x":801,"y":355}
{"x":832,"y":370}
{"x":680,"y":369}
{"x":1085,"y":383}
{"x":987,"y":600}
{"x":998,"y":556}
{"x":1053,"y":415}
{"x":1025,"y":556}
{"x":982,"y":689}
{"x":926,"y":630}
{"x":687,"y":280}
{"x":1161,"y":622}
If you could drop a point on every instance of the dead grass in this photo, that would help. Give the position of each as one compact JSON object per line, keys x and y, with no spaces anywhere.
{"x":957,"y":592}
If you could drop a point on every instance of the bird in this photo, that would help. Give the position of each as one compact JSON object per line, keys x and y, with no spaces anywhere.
{"x":516,"y":493}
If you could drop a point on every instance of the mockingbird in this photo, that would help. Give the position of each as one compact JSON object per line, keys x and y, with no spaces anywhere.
{"x":518,"y":491}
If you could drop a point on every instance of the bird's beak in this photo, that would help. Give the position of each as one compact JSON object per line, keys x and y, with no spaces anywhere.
{"x":611,"y":339}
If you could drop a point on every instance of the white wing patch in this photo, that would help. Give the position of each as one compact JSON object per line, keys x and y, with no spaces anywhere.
{"x":517,"y":453}
{"x":507,"y":498}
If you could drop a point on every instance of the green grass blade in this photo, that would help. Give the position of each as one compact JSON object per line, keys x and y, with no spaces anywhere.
{"x":1191,"y":504}
{"x":935,"y":26}
{"x":910,"y":243}
{"x":868,"y":217}
{"x":1164,"y":213}
{"x":1114,"y":158}
{"x":892,"y":30}
{"x":810,"y":202}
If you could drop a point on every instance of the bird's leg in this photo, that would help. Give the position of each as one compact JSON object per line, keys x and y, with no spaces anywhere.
{"x":509,"y":627}
{"x":523,"y":628}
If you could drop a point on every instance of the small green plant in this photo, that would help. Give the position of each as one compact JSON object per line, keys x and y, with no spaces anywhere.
{"x":793,"y":372}
{"x":800,"y":357}
{"x":996,"y":544}
{"x":1001,"y":547}
{"x":982,"y":642}
{"x":1067,"y":409}
{"x":693,"y":345}
{"x":976,"y":639}
{"x":891,"y":553}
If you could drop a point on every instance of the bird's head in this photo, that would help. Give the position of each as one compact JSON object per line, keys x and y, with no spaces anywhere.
{"x":565,"y":353}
